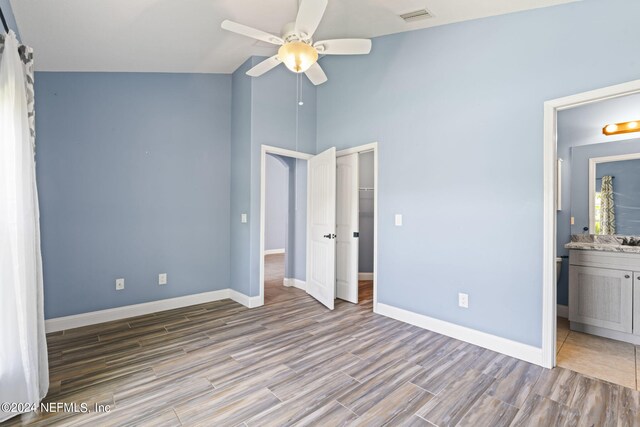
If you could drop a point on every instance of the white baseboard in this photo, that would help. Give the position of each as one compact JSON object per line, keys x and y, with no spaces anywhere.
{"x":117,"y":313}
{"x":295,"y":283}
{"x":245,"y":300}
{"x":108,"y":315}
{"x":365,"y":276}
{"x":501,"y":345}
{"x":273,"y":251}
{"x":562,"y":311}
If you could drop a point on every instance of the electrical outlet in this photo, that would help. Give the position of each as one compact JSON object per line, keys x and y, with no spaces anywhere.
{"x":162,"y":279}
{"x":463,"y":300}
{"x":119,"y":284}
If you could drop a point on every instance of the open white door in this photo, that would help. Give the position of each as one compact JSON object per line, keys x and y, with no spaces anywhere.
{"x":347,"y":228}
{"x":321,"y":227}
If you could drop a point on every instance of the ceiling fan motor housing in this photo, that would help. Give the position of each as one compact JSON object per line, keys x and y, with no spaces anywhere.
{"x":289,"y":34}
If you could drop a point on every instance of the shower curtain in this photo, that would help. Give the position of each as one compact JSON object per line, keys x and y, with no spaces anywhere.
{"x":608,"y":216}
{"x":24,"y":376}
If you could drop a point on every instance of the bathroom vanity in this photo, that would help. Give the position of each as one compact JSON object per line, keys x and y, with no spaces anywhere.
{"x":604,"y":289}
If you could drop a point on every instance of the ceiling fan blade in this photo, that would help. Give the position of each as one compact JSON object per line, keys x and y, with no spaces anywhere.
{"x":234,"y":27}
{"x":316,"y":75}
{"x":343,"y":47}
{"x":309,"y":16}
{"x":264,"y":66}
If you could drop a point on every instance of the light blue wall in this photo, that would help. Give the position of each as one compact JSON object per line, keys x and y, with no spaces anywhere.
{"x":296,"y":221}
{"x":580,"y":177}
{"x":300,"y":214}
{"x":5,"y":5}
{"x":133,"y":177}
{"x":458,"y":113}
{"x":276,"y":203}
{"x":576,"y":127}
{"x":626,"y":193}
{"x":365,"y":214}
{"x":268,"y":109}
{"x":240,"y":177}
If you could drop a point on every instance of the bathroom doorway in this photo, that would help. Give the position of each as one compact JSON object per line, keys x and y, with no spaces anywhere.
{"x":580,"y":332}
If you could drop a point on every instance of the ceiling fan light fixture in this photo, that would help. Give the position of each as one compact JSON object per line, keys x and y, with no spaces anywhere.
{"x":298,"y":56}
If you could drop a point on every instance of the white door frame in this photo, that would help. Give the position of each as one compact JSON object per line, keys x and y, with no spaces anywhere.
{"x":361,"y":149}
{"x":549,"y":290}
{"x":267,"y":149}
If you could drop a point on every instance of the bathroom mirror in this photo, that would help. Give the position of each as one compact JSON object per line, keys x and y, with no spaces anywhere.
{"x":614,"y":195}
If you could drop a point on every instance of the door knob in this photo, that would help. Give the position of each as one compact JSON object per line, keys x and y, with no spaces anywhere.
{"x":626,"y":276}
{"x":329,"y":236}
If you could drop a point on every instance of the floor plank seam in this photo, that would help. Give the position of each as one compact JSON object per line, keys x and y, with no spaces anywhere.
{"x":345,"y":407}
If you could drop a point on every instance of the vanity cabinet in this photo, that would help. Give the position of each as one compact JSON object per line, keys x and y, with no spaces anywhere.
{"x":604,"y":294}
{"x":601,"y":297}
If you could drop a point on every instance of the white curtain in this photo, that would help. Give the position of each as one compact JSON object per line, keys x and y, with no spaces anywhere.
{"x":24,"y":376}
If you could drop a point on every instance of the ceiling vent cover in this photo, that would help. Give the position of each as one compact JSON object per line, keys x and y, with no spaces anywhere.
{"x":416,"y":15}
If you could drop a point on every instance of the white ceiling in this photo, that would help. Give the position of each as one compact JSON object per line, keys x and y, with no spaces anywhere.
{"x":185,"y":35}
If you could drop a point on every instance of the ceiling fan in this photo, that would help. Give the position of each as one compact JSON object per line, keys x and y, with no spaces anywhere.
{"x":298,"y":51}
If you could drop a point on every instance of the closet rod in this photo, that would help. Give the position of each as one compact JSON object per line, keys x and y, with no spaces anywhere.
{"x":4,"y":22}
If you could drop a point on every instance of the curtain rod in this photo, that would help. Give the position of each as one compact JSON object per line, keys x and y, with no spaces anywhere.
{"x":4,"y":22}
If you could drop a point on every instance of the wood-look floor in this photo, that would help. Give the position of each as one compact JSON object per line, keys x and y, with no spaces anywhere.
{"x":293,"y":362}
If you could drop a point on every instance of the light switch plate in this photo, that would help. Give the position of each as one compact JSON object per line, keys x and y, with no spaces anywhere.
{"x":573,"y":221}
{"x":398,"y":220}
{"x":243,"y":218}
{"x":162,"y":279}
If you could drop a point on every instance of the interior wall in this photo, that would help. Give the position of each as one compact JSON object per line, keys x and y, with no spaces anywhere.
{"x":296,"y":256}
{"x":366,"y":212}
{"x":577,"y":127}
{"x":276,"y":204}
{"x":292,"y":209}
{"x":458,"y":114}
{"x":241,"y":172}
{"x":133,"y":177}
{"x":270,"y":115}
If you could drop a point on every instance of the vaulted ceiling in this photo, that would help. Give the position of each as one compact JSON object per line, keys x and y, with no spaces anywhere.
{"x":185,"y":35}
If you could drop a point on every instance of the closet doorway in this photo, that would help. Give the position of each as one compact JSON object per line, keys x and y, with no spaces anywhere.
{"x":356,"y":224}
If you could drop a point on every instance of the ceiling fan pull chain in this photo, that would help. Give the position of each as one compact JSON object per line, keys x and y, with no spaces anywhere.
{"x":300,"y":101}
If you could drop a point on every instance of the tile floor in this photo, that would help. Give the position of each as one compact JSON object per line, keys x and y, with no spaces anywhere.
{"x":602,"y":358}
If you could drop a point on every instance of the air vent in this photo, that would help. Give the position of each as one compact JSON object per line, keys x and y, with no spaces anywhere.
{"x":416,"y":15}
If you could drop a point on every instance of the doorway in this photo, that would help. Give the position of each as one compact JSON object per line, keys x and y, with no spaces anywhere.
{"x":318,"y":279}
{"x":600,"y":179}
{"x":552,"y":335}
{"x":285,"y":219}
{"x":283,"y":208}
{"x":356,"y":225}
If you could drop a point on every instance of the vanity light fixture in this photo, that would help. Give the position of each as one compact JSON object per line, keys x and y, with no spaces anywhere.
{"x":618,"y":128}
